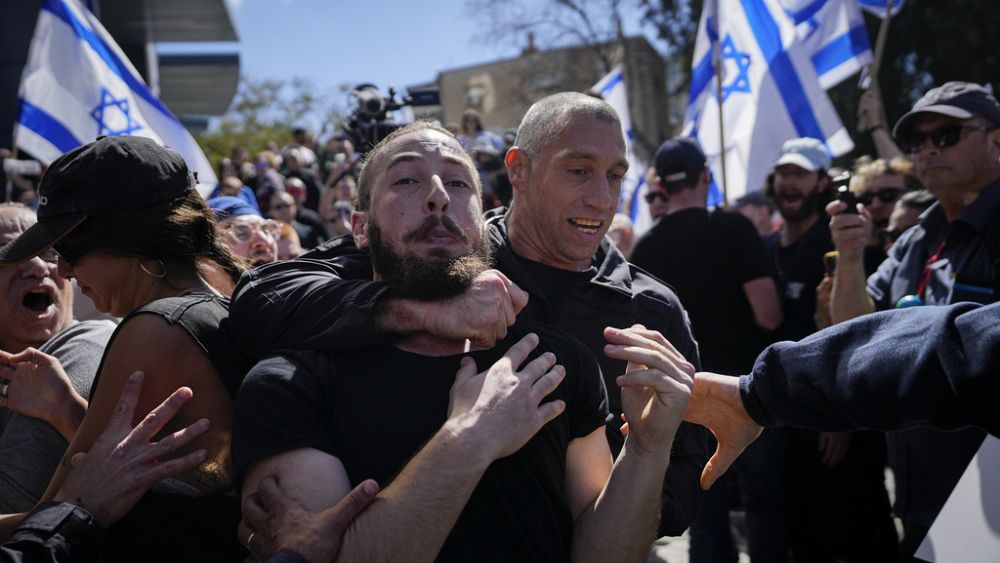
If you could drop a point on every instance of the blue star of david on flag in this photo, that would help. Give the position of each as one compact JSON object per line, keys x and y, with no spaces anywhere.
{"x":113,"y":117}
{"x":741,"y":60}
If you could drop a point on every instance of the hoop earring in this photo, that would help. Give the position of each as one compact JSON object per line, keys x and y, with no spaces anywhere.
{"x":159,"y":276}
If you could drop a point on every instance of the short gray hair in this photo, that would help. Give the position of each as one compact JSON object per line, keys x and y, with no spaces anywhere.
{"x":547,"y":118}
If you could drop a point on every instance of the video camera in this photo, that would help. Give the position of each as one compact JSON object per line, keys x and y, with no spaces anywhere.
{"x":369,"y":121}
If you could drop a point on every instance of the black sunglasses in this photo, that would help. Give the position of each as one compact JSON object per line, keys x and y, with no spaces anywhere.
{"x":944,"y":136}
{"x":653,"y":196}
{"x":885,"y":195}
{"x":72,"y":254}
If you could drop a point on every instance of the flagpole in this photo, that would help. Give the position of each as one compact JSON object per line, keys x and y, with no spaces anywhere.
{"x":876,"y":66}
{"x":717,"y":61}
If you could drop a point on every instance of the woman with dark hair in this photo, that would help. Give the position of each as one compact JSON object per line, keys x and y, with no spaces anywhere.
{"x":128,"y":225}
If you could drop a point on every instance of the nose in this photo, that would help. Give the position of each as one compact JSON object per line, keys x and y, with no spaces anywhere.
{"x":260,"y":238}
{"x":437,"y":198}
{"x":601,"y":194}
{"x":34,"y":268}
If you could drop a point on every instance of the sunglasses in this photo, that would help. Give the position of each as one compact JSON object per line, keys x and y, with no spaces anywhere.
{"x":944,"y":136}
{"x":72,"y":254}
{"x":280,"y":206}
{"x":243,"y":232}
{"x":885,"y":195}
{"x":657,"y":195}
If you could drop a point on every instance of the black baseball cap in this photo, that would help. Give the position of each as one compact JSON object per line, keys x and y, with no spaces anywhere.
{"x":679,"y":161}
{"x":108,"y":175}
{"x":960,"y":100}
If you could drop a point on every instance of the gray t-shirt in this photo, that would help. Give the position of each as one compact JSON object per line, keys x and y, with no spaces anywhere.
{"x":30,"y":449}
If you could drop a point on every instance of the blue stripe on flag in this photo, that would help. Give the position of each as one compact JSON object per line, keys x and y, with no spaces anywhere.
{"x":841,"y":50}
{"x":809,"y":11}
{"x":633,"y":212}
{"x":701,"y":76}
{"x":58,"y":9}
{"x":46,"y":126}
{"x":612,"y":83}
{"x":782,"y":70}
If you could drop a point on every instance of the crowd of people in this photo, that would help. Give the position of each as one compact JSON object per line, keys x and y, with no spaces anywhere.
{"x":357,"y":358}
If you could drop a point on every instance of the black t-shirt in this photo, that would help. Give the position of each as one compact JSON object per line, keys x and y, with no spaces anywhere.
{"x":706,"y":258}
{"x":556,"y":283}
{"x":799,"y":269}
{"x":374,"y":409}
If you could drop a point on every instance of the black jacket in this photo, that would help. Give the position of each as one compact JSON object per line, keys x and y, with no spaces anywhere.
{"x":325,"y":300}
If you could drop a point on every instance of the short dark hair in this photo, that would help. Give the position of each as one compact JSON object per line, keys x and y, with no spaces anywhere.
{"x":547,"y":118}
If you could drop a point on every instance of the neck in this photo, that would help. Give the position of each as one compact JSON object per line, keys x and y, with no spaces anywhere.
{"x":956,"y":200}
{"x":525,"y":241}
{"x":793,"y":231}
{"x":686,"y":199}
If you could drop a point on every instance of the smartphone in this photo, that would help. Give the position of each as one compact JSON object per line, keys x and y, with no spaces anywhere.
{"x":845,"y":195}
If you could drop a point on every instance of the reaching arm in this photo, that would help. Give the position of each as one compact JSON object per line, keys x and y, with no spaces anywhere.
{"x":849,"y":298}
{"x":326,"y":300}
{"x":887,"y":371}
{"x":621,"y":523}
{"x":169,"y":357}
{"x":491,"y":415}
{"x":763,"y":297}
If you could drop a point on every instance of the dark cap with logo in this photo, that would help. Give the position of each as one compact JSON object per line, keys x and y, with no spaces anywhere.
{"x":960,"y":100}
{"x":108,"y":175}
{"x":679,"y":161}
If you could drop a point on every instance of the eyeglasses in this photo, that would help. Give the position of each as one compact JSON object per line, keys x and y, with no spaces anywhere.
{"x":944,"y":136}
{"x":50,"y":256}
{"x":653,"y":196}
{"x":885,"y":195}
{"x":281,"y":206}
{"x":244,"y":231}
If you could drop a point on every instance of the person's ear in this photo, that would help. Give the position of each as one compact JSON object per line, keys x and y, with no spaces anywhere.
{"x":359,"y":228}
{"x":518,"y":168}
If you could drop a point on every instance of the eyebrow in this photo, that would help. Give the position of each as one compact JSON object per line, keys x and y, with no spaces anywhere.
{"x":585,"y":155}
{"x":413,"y":156}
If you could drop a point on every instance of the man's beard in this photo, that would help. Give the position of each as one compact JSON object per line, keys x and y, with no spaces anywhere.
{"x":808,"y":205}
{"x":428,"y":278}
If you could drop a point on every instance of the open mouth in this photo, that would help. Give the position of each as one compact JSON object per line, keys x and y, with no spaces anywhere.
{"x":586,"y":226}
{"x":37,"y":300}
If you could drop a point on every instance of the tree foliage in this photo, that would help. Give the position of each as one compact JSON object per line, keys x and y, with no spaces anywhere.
{"x":266,"y":110}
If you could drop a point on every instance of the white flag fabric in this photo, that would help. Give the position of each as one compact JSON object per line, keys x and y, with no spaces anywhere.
{"x":833,"y":32}
{"x":770,"y":92}
{"x":878,"y":7}
{"x":631,"y":202}
{"x":78,"y":85}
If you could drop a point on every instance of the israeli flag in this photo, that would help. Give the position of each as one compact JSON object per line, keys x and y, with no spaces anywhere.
{"x":833,"y":32}
{"x":78,"y":85}
{"x":769,"y":93}
{"x":631,"y":202}
{"x":878,"y":7}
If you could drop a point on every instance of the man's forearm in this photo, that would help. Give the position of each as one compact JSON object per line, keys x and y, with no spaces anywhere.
{"x":849,"y":298}
{"x":411,"y":518}
{"x":395,"y":315}
{"x":622,"y":523}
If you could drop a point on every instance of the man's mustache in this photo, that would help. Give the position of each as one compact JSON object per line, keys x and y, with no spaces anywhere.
{"x":433,"y":222}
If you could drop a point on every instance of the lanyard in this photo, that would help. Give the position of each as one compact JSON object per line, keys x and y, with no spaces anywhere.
{"x":924,"y":279}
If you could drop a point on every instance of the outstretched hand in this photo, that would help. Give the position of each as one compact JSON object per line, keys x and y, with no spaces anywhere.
{"x":273,"y":522}
{"x":123,"y":464}
{"x":717,"y":405}
{"x":503,"y":405}
{"x":656,"y":385}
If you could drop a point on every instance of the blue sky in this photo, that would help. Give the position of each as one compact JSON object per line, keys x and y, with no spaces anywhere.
{"x":332,"y":42}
